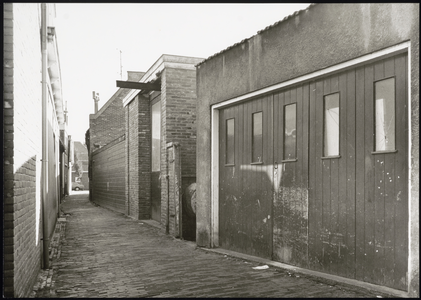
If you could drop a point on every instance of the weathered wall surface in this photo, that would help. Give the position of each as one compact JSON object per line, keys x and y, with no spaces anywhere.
{"x":22,"y":143}
{"x":22,"y":148}
{"x":321,"y":36}
{"x":109,"y":173}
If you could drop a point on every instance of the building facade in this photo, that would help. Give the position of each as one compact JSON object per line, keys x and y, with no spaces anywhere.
{"x":34,"y":142}
{"x":107,"y":151}
{"x":308,"y":144}
{"x":161,"y":122}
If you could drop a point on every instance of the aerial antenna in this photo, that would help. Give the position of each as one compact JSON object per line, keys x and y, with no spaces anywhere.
{"x":121,"y":65}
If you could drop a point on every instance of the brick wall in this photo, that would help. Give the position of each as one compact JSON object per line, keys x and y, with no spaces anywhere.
{"x":22,"y":148}
{"x":109,"y":173}
{"x":108,"y":123}
{"x":144,"y":146}
{"x":180,"y":115}
{"x":138,"y":143}
{"x":132,"y":165}
{"x":164,"y":157}
{"x":178,"y":104}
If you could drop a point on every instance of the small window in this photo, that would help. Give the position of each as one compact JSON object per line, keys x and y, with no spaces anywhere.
{"x":257,"y":140}
{"x":229,"y":142}
{"x":290,"y":131}
{"x":331,"y":125}
{"x":385,"y":114}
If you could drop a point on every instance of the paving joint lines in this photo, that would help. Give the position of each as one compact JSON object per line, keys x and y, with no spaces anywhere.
{"x":45,"y":284}
{"x":128,"y":259}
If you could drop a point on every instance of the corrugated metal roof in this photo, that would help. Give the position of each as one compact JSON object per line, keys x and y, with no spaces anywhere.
{"x":259,"y":32}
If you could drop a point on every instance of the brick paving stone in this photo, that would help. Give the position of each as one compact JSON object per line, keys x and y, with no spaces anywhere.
{"x":97,"y":253}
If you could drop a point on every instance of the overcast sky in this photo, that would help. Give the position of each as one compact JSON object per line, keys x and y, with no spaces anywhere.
{"x":91,"y":36}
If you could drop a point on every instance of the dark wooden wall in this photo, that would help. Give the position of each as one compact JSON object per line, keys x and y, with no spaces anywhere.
{"x":345,"y":215}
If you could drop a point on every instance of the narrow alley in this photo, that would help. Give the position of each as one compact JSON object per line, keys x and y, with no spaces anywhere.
{"x":99,"y":253}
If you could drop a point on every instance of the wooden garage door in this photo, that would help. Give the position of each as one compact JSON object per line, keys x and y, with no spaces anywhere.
{"x":245,"y":207}
{"x":316,"y":175}
{"x":358,"y":202}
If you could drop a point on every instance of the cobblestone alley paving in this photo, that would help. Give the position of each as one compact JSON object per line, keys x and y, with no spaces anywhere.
{"x":105,"y":254}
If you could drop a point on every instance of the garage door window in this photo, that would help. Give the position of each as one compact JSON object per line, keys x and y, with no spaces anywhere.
{"x":257,"y":139}
{"x":290,"y":131}
{"x":385,"y":114}
{"x":331,"y":125}
{"x":229,"y":149}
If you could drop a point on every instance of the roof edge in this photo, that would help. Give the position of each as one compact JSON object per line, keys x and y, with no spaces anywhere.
{"x":165,"y":60}
{"x":286,"y":18}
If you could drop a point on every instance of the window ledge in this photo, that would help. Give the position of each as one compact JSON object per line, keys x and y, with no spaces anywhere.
{"x":229,"y":165}
{"x":384,"y":152}
{"x":331,"y":157}
{"x":289,"y":160}
{"x":256,"y":163}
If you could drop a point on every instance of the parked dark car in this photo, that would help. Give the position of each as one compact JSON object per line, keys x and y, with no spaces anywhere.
{"x":77,"y":186}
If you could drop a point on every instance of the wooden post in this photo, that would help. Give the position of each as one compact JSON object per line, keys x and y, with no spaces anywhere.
{"x":174,"y":187}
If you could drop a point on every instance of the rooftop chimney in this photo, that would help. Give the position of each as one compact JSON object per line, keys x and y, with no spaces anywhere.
{"x":95,"y":96}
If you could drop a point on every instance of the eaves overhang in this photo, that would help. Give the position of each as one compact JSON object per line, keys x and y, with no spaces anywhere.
{"x":165,"y":61}
{"x":54,"y":73}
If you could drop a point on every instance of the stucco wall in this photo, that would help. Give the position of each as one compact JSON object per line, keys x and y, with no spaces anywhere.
{"x":321,"y":36}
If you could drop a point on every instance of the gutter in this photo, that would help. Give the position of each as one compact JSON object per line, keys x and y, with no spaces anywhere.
{"x":44,"y":176}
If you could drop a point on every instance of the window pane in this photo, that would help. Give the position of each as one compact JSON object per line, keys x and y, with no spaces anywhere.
{"x":290,"y":131}
{"x":385,"y":114}
{"x":229,"y":150}
{"x":257,"y":137}
{"x":156,"y":136}
{"x":331,"y":125}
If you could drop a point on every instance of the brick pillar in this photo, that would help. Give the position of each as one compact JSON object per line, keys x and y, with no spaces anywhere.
{"x":138,"y":147}
{"x":126,"y":166}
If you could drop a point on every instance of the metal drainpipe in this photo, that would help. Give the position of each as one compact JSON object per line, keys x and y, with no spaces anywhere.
{"x":44,"y":178}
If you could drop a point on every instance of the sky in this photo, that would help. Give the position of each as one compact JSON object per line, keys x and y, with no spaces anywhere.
{"x":97,"y":40}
